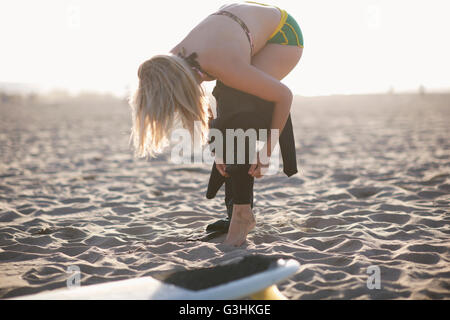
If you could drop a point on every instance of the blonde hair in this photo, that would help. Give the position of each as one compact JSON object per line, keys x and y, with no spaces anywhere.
{"x":168,"y":91}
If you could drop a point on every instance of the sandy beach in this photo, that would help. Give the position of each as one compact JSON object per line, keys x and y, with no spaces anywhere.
{"x":373,"y":189}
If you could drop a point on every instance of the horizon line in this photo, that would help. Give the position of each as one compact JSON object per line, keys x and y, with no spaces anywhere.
{"x":33,"y":88}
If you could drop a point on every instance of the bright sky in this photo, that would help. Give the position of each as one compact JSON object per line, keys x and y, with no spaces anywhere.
{"x":351,"y":46}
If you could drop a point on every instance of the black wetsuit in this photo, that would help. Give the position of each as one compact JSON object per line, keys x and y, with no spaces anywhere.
{"x":237,"y":109}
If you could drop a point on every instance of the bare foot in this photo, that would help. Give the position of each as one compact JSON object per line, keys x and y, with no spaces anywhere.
{"x":242,"y":222}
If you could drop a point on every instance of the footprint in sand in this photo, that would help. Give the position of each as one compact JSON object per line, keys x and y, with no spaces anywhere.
{"x":125,"y":210}
{"x":397,"y":218}
{"x":423,"y":258}
{"x":69,"y":233}
{"x":430,"y":194}
{"x":75,"y":200}
{"x":363,"y":192}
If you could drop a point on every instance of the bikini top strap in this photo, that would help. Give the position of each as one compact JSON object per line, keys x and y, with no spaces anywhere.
{"x":241,"y":23}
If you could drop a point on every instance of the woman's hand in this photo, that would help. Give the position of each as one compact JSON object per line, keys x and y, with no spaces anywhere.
{"x":257,"y":169}
{"x":221,"y":166}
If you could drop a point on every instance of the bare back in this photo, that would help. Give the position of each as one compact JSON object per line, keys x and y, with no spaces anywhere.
{"x":221,"y":37}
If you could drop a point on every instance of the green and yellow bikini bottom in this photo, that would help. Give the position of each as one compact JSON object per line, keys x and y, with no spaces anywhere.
{"x":287,"y":32}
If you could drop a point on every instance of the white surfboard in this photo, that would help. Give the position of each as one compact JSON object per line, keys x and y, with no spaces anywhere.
{"x":261,"y":284}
